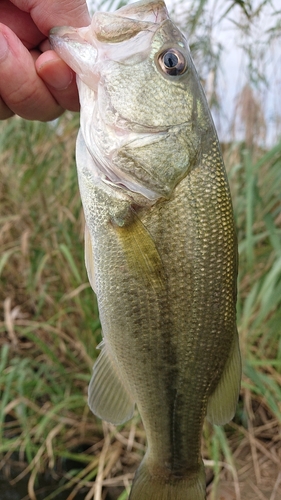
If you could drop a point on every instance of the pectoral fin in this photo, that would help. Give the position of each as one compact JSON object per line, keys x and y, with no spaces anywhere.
{"x":141,"y":253}
{"x":223,"y":401}
{"x":89,"y":259}
{"x":108,"y":397}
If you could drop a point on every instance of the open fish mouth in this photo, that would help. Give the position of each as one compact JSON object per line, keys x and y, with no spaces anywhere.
{"x":113,"y":138}
{"x":109,"y":37}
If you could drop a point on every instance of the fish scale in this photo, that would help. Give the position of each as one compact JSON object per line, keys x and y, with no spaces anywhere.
{"x":160,"y":242}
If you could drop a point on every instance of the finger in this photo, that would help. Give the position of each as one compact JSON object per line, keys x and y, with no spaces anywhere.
{"x":45,"y":45}
{"x":52,"y":13}
{"x":5,"y":112}
{"x":21,"y":24}
{"x":21,"y":88}
{"x":59,"y":78}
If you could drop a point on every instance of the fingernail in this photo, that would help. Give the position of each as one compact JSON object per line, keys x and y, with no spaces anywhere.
{"x":59,"y":78}
{"x":3,"y":47}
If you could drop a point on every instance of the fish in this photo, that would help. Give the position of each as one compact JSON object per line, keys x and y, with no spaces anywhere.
{"x":160,"y":241}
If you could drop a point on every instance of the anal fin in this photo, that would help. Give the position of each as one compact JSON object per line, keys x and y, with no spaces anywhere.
{"x":223,"y":401}
{"x":108,"y":397}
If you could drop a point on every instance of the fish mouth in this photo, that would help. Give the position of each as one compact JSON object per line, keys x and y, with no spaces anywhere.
{"x":115,"y":36}
{"x":109,"y":37}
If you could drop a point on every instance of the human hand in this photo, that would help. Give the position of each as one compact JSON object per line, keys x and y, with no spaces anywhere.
{"x":35,"y":83}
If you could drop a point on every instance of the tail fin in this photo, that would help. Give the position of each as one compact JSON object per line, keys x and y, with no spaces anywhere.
{"x":159,"y":487}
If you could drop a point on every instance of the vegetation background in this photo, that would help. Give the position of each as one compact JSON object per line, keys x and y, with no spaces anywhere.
{"x":51,"y":446}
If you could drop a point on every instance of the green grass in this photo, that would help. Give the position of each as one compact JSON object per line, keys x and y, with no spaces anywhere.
{"x":49,"y":326}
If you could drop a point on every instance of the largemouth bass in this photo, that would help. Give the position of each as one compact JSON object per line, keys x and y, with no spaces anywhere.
{"x":160,"y":244}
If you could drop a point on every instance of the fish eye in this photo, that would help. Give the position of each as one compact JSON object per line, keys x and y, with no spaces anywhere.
{"x":172,"y":62}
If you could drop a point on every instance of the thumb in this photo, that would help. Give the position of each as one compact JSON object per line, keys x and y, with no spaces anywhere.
{"x":52,"y":13}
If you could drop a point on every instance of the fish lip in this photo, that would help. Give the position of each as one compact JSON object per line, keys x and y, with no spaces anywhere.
{"x":60,"y":34}
{"x":74,"y":47}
